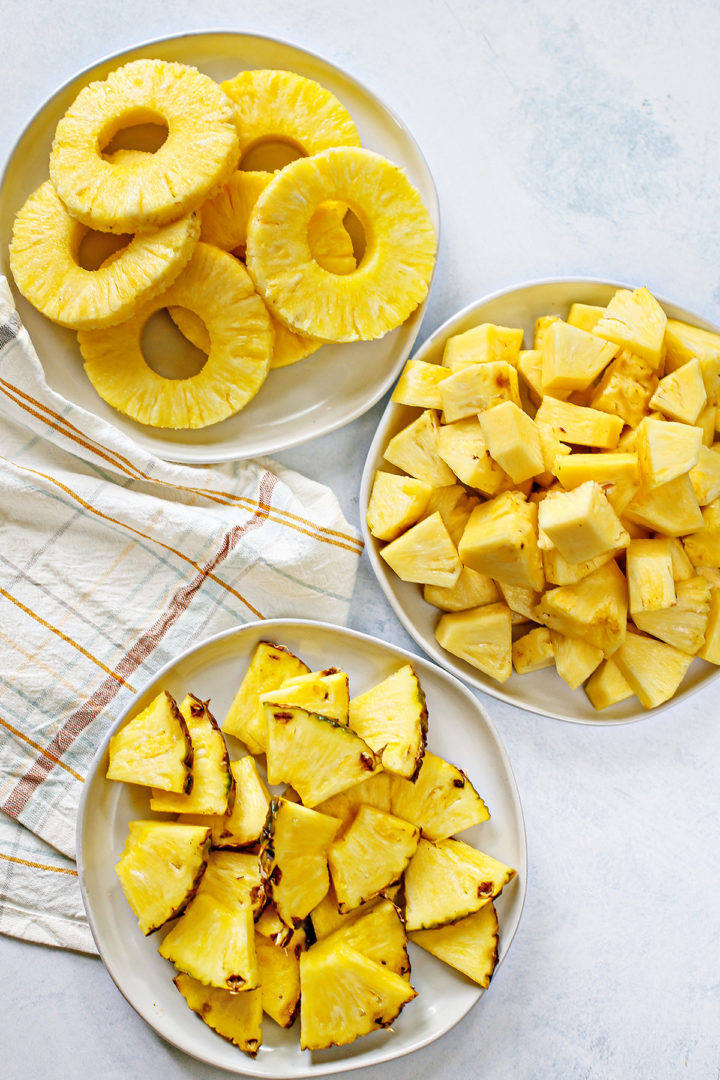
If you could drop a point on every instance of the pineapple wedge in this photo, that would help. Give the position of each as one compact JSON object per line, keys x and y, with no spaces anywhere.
{"x":324,"y":692}
{"x":375,"y":791}
{"x":448,"y":880}
{"x":543,"y":325}
{"x":279,"y":968}
{"x":392,"y":719}
{"x":653,"y":669}
{"x":476,"y":387}
{"x":483,"y":344}
{"x":371,"y":854}
{"x":521,"y":601}
{"x":375,"y":930}
{"x":703,"y":546}
{"x":575,"y":659}
{"x":396,"y":503}
{"x":419,"y":385}
{"x":500,"y":540}
{"x":705,"y":476}
{"x":666,"y":450}
{"x":213,"y":790}
{"x":243,"y":826}
{"x":441,"y":800}
{"x":454,"y":505}
{"x":470,"y":945}
{"x":559,"y":571}
{"x":215,"y":944}
{"x":572,"y":358}
{"x":237,"y":1017}
{"x":293,"y":857}
{"x":415,"y":450}
{"x":710,"y":650}
{"x":585,"y":316}
{"x":270,"y":666}
{"x":481,"y":636}
{"x":533,"y":651}
{"x":153,"y":748}
{"x":684,"y":343}
{"x":670,"y":509}
{"x":594,"y":609}
{"x":635,"y":320}
{"x":681,"y":395}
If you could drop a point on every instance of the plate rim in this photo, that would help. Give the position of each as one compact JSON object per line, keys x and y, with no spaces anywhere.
{"x":460,"y":669}
{"x":272,"y":626}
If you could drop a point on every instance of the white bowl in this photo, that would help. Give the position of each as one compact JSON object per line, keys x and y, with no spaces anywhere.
{"x":542,"y":691}
{"x":459,"y":729}
{"x":325,"y":391}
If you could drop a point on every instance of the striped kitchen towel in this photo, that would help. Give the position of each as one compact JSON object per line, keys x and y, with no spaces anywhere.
{"x":112,"y":562}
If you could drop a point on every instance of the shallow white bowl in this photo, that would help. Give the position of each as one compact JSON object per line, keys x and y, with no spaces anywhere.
{"x":316,"y":396}
{"x":542,"y":691}
{"x":459,"y":730}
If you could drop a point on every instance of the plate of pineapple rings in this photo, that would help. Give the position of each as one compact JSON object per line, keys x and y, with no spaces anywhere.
{"x":219,"y":243}
{"x":302,"y":851}
{"x":542,"y":499}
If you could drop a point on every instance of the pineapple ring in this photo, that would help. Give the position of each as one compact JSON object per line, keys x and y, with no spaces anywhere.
{"x":283,"y":106}
{"x":217,"y":288}
{"x":197,"y":158}
{"x":43,"y":259}
{"x":394,"y":274}
{"x":289,"y":348}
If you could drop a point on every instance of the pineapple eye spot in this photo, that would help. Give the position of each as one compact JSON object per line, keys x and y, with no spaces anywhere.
{"x":148,"y":137}
{"x":96,"y":247}
{"x":167,"y":351}
{"x":268,"y":155}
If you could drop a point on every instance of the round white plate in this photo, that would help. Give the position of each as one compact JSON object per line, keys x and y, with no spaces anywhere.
{"x":459,"y":730}
{"x":316,"y":396}
{"x":541,"y":691}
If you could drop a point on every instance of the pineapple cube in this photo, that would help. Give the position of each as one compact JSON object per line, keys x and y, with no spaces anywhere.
{"x":575,"y":659}
{"x":585,"y":316}
{"x":462,"y":445}
{"x":635,"y":320}
{"x":705,"y":476}
{"x":607,"y":686}
{"x":559,"y":571}
{"x":666,"y":450}
{"x":649,"y":575}
{"x":513,"y":441}
{"x":572,"y":358}
{"x":594,"y":609}
{"x":481,"y":636}
{"x":626,"y":388}
{"x":424,"y":554}
{"x":533,"y":651}
{"x":419,"y":385}
{"x":476,"y":387}
{"x":579,"y":425}
{"x":671,"y":509}
{"x":542,"y":325}
{"x":470,"y":590}
{"x":414,"y":450}
{"x":681,"y":395}
{"x":500,"y":540}
{"x":684,"y":624}
{"x":618,"y":474}
{"x":684,"y":343}
{"x":703,"y":546}
{"x":454,"y":506}
{"x":710,"y":651}
{"x":396,"y":502}
{"x":483,"y":343}
{"x":581,"y":523}
{"x":653,"y":669}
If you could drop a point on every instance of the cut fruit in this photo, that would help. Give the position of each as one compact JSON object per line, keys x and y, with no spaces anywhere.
{"x":424,"y":554}
{"x":324,"y":692}
{"x":392,"y":719}
{"x":595,"y":609}
{"x":213,"y":790}
{"x":579,"y":425}
{"x":581,"y":523}
{"x":470,"y":590}
{"x":279,"y":967}
{"x":237,"y":1017}
{"x":243,"y":826}
{"x":215,"y":944}
{"x":476,"y":387}
{"x":483,"y":344}
{"x":415,"y":450}
{"x":376,"y":931}
{"x":626,"y":387}
{"x":441,"y":800}
{"x":500,"y":540}
{"x":396,"y":502}
{"x":454,"y":505}
{"x":513,"y":441}
{"x":670,"y":509}
{"x":462,"y":446}
{"x":703,"y":546}
{"x":533,"y":651}
{"x":683,"y":624}
{"x":575,"y":659}
{"x":635,"y":320}
{"x":681,"y":395}
{"x":666,"y":450}
{"x":470,"y":945}
{"x":375,"y":791}
{"x":649,"y":570}
{"x":653,"y":669}
{"x":481,"y":636}
{"x":153,"y":748}
{"x":572,"y":358}
{"x":607,"y":686}
{"x":235,"y":879}
{"x":448,"y":880}
{"x":371,"y":855}
{"x":270,"y":666}
{"x":294,"y":858}
{"x":419,"y":385}
{"x":618,"y":474}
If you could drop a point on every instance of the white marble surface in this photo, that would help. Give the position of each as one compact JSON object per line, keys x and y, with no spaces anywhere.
{"x":565,"y":140}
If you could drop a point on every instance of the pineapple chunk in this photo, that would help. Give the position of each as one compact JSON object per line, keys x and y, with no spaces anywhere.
{"x":671,"y":509}
{"x":213,"y":790}
{"x":575,"y":659}
{"x":520,"y":600}
{"x":215,"y":944}
{"x":530,"y":367}
{"x":441,"y":801}
{"x":279,"y":967}
{"x":651,"y":584}
{"x":681,"y":566}
{"x":234,"y":878}
{"x":552,"y":449}
{"x":681,"y":395}
{"x":293,"y":856}
{"x":237,"y":1017}
{"x":653,"y":669}
{"x":396,"y":502}
{"x":270,"y":665}
{"x":419,"y":385}
{"x":470,"y":945}
{"x":685,"y":623}
{"x":374,"y":930}
{"x":481,"y":636}
{"x":607,"y":686}
{"x":424,"y":554}
{"x":243,"y":825}
{"x":636,"y":321}
{"x":594,"y":609}
{"x":617,"y":473}
{"x":666,"y":450}
{"x":324,"y":692}
{"x":454,"y":506}
{"x":371,"y":854}
{"x":626,"y":388}
{"x":684,"y":343}
{"x":710,"y":650}
{"x":476,"y":387}
{"x":414,"y":450}
{"x":579,"y":425}
{"x":392,"y":718}
{"x":462,"y":445}
{"x":375,"y":791}
{"x":705,"y":476}
{"x":533,"y":651}
{"x":470,"y":590}
{"x":513,"y":441}
{"x":706,"y":421}
{"x":559,"y":571}
{"x":543,"y":325}
{"x":482,"y":344}
{"x":581,"y":523}
{"x":153,"y":748}
{"x":585,"y":316}
{"x":447,"y":880}
{"x":703,"y":546}
{"x":500,"y":540}
{"x":572,"y":358}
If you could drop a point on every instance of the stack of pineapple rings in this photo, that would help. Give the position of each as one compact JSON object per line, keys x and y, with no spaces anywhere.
{"x":189,"y":217}
{"x":304,"y":902}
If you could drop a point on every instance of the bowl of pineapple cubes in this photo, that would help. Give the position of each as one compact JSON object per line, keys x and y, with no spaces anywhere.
{"x":288,"y":868}
{"x":541,"y":500}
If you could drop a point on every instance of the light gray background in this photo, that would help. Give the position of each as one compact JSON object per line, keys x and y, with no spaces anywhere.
{"x":566,"y":139}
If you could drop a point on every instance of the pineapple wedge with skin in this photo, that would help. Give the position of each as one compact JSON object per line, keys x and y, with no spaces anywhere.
{"x":476,"y":387}
{"x":626,"y":388}
{"x":454,"y":505}
{"x":345,"y":995}
{"x":500,"y":540}
{"x":705,"y":476}
{"x":270,"y":666}
{"x":415,"y":450}
{"x":572,"y":358}
{"x":575,"y":659}
{"x":470,"y":945}
{"x":419,"y":385}
{"x":513,"y":441}
{"x":279,"y":967}
{"x":396,"y":503}
{"x":652,"y":669}
{"x":235,"y":879}
{"x":237,"y":1017}
{"x":470,"y":590}
{"x":481,"y":636}
{"x":441,"y":800}
{"x":533,"y":651}
{"x":392,"y":718}
{"x":213,"y":790}
{"x":293,"y":857}
{"x":634,"y":320}
{"x":424,"y":554}
{"x":153,"y":748}
{"x":681,"y":395}
{"x":371,"y":854}
{"x":316,"y":755}
{"x":242,"y":827}
{"x":607,"y":686}
{"x":579,"y":425}
{"x":649,"y":572}
{"x":618,"y":474}
{"x":448,"y":880}
{"x":215,"y":944}
{"x":684,"y":624}
{"x":595,"y":609}
{"x":375,"y":930}
{"x":161,"y":868}
{"x":375,"y":791}
{"x":581,"y":524}
{"x":703,"y":546}
{"x":324,"y":692}
{"x":462,"y":445}
{"x":482,"y":344}
{"x":670,"y":509}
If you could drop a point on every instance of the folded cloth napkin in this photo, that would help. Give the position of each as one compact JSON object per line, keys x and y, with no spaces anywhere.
{"x":112,"y":562}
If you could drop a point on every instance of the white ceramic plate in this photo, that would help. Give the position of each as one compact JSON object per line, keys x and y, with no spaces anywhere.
{"x":318,"y":395}
{"x":459,"y":729}
{"x":542,"y":691}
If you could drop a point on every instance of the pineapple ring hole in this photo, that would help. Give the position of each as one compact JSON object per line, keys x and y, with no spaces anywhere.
{"x":355,"y":227}
{"x":96,"y":247}
{"x":148,"y":136}
{"x":270,"y":154}
{"x":167,"y":351}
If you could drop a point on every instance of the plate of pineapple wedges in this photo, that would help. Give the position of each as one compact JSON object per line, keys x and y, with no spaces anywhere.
{"x":542,"y":499}
{"x":302,"y":851}
{"x":219,"y":243}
